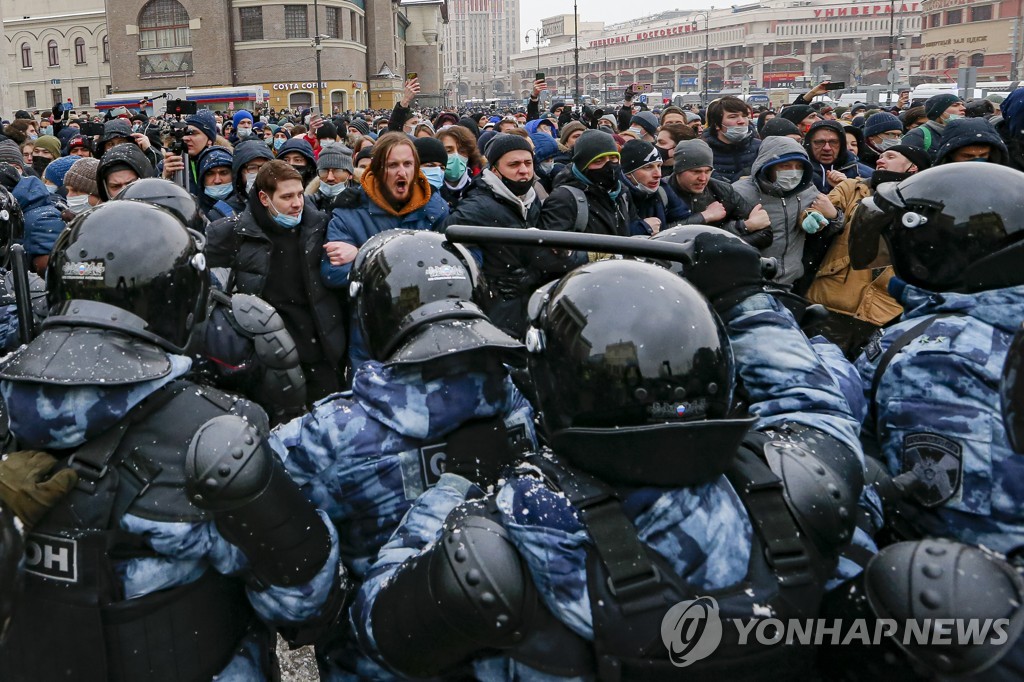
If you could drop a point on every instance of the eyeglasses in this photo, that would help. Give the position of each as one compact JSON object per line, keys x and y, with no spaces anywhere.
{"x":818,"y":144}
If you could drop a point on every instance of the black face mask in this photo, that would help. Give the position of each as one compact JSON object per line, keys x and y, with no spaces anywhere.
{"x":880,"y":176}
{"x":606,"y":177}
{"x":517,"y":187}
{"x":663,"y":153}
{"x":39,"y":164}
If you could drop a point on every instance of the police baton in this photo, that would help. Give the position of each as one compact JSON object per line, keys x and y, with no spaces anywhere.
{"x":640,"y":247}
{"x":576,"y":241}
{"x":22,"y":295}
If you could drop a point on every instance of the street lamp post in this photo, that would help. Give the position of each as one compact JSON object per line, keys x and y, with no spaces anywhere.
{"x":576,"y":50}
{"x":538,"y":35}
{"x":319,"y":48}
{"x":707,"y":50}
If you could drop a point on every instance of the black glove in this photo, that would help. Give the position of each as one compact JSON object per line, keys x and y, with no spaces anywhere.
{"x":519,"y":282}
{"x":725,"y":269}
{"x":478,"y":451}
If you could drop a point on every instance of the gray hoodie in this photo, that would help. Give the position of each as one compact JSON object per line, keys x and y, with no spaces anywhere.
{"x":786,"y":209}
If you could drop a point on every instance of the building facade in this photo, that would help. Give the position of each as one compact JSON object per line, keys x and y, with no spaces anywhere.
{"x":56,"y":51}
{"x":480,"y":39}
{"x":774,"y":43}
{"x":979,"y":33}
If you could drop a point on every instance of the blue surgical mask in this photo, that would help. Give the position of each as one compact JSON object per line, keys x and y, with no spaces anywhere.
{"x":278,"y":143}
{"x":954,"y":117}
{"x":217,"y":191}
{"x":456,"y":167}
{"x":48,"y":130}
{"x":286,"y":221}
{"x":331,"y":190}
{"x":435,"y":176}
{"x":53,"y":188}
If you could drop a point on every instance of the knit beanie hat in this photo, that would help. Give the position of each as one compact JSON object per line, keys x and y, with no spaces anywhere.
{"x":213,"y":158}
{"x":359,"y":124}
{"x":81,"y":177}
{"x":692,"y":154}
{"x":240,"y":115}
{"x":364,"y":153}
{"x":591,"y":146}
{"x":328,"y":131}
{"x":431,"y":150}
{"x":882,"y":122}
{"x":58,"y":168}
{"x":568,"y":129}
{"x":10,"y":153}
{"x":797,"y":113}
{"x":647,"y":121}
{"x":335,"y":157}
{"x":205,"y":121}
{"x":917,"y":155}
{"x":778,"y":127}
{"x":672,"y":109}
{"x":935,"y":106}
{"x":50,"y":144}
{"x":636,"y":154}
{"x":502,"y":144}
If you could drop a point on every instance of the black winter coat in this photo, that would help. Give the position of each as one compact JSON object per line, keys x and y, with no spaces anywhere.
{"x":240,"y":244}
{"x":732,"y":161}
{"x":604,"y":217}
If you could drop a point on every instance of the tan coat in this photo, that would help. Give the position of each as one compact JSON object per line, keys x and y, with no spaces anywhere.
{"x":837,"y":286}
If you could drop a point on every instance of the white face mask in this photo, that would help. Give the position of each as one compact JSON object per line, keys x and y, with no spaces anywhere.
{"x":788,"y":179}
{"x":331,"y":190}
{"x":358,"y":172}
{"x":78,"y":203}
{"x":250,"y":180}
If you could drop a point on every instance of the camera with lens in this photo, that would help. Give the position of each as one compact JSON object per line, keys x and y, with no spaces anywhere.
{"x":176,"y":131}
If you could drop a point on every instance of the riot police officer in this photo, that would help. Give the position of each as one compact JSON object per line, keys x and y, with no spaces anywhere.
{"x":435,"y":397}
{"x":242,"y":345}
{"x":658,"y":490}
{"x":183,"y":541}
{"x":932,"y":380}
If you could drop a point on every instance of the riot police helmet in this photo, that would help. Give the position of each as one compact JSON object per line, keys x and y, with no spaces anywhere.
{"x":169,"y":195}
{"x":417,"y":298}
{"x":12,"y":225}
{"x":634,"y":375}
{"x":132,"y":267}
{"x":945,"y":229}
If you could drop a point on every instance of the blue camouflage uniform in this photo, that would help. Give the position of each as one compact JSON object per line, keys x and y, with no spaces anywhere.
{"x":938,"y":412}
{"x":55,"y":417}
{"x":704,"y":532}
{"x":357,"y":457}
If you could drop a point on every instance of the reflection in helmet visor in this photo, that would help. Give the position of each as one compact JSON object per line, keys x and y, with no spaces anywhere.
{"x":1012,"y":392}
{"x":867,"y":247}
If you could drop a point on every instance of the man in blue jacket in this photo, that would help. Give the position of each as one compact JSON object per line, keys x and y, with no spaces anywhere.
{"x":394,"y":194}
{"x":43,"y":222}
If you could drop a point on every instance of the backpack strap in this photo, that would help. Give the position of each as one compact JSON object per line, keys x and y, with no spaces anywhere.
{"x":897,"y":345}
{"x":663,"y":195}
{"x":224,"y":208}
{"x":927,"y":137}
{"x":582,"y":208}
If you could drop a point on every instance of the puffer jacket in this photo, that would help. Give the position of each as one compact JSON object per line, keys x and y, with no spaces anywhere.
{"x":786,"y":209}
{"x":43,"y":222}
{"x":732,"y":161}
{"x":240,"y":244}
{"x":862,"y":294}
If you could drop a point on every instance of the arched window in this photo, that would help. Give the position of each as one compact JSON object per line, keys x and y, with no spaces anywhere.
{"x":53,"y":52}
{"x":79,"y":50}
{"x":163,"y":23}
{"x":26,"y":56}
{"x":932,"y":64}
{"x":950,"y":62}
{"x":978,"y":59}
{"x":106,"y":49}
